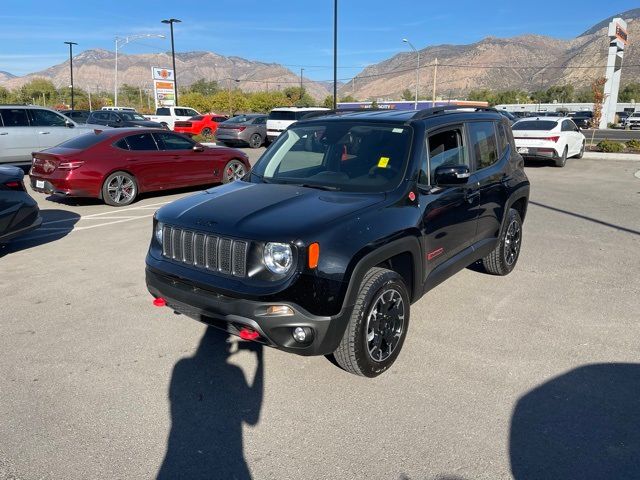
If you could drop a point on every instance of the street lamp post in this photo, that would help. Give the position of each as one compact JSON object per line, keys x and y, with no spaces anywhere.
{"x":71,"y":44}
{"x":171,"y":21}
{"x":415,"y":104}
{"x":121,"y":42}
{"x":335,"y":54}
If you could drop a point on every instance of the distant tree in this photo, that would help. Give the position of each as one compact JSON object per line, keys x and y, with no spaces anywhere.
{"x":328,"y":101}
{"x":560,"y":93}
{"x":299,"y":97}
{"x":263,"y":102}
{"x":205,"y":87}
{"x":348,"y":98}
{"x":35,"y":89}
{"x":584,"y":96}
{"x":630,"y":92}
{"x":196,"y":100}
{"x":597,"y":87}
{"x":374,"y":104}
{"x":481,"y":96}
{"x":407,"y":95}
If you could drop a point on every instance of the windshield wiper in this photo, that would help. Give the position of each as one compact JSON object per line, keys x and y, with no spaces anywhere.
{"x":318,"y":187}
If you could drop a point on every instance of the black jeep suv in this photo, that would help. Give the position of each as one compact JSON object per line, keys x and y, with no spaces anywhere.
{"x":345,"y":221}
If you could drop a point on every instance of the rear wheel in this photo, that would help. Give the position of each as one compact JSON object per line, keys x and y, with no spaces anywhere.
{"x":378,"y":325}
{"x":119,"y":189}
{"x":503,"y":258}
{"x":206,"y":132}
{"x":234,"y":170}
{"x":562,"y":161}
{"x":581,"y":154}
{"x":255,"y":141}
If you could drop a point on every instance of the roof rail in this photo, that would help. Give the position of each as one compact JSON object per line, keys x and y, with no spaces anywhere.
{"x":428,"y":112}
{"x":322,"y":113}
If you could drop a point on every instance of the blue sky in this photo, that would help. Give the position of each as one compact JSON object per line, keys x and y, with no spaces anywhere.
{"x":292,"y":32}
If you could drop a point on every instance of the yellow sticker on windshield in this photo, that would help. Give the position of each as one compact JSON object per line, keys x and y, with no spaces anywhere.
{"x":383,"y":162}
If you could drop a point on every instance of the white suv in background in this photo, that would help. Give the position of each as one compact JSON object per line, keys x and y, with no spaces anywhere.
{"x":632,"y":121}
{"x":29,"y":128}
{"x":280,"y":118}
{"x":548,"y":138}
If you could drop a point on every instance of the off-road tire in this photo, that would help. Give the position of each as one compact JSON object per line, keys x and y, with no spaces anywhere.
{"x":353,"y":352}
{"x":499,"y":261}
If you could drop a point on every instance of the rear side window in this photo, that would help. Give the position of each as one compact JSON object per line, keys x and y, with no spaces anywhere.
{"x":122,"y":144}
{"x":282,"y":115}
{"x":483,"y":143}
{"x":83,"y":141}
{"x":142,"y":141}
{"x":169,"y":141}
{"x":218,"y":119}
{"x":197,"y":118}
{"x":260,"y":121}
{"x":163,"y":111}
{"x":46,"y":118}
{"x":503,"y":138}
{"x":100,"y":116}
{"x":14,"y":117}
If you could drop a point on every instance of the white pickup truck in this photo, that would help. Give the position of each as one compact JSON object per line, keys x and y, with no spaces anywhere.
{"x":168,"y":115}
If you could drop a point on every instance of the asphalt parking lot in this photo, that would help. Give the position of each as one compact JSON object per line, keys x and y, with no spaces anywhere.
{"x":533,"y":375}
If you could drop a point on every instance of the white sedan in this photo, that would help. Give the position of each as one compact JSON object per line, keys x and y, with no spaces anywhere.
{"x":548,"y":138}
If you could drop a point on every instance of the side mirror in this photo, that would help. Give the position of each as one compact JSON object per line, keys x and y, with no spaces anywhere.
{"x":451,"y":175}
{"x":198,"y":148}
{"x":69,"y":124}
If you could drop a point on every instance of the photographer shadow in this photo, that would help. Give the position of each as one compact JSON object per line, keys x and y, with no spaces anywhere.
{"x":583,"y":424}
{"x":210,"y":400}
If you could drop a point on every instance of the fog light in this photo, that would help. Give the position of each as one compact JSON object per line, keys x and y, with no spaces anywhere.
{"x":279,"y":310}
{"x":299,"y":334}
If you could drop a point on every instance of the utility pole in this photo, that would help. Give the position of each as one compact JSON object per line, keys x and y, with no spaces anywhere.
{"x":89,"y":92}
{"x":301,"y":70}
{"x":435,"y":76}
{"x":171,"y":21}
{"x":71,"y":44}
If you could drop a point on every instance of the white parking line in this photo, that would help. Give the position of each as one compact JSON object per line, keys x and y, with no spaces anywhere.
{"x":101,"y":215}
{"x":128,"y":219}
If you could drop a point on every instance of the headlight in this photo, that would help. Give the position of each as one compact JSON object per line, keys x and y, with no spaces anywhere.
{"x":278,"y":257}
{"x":158,"y":232}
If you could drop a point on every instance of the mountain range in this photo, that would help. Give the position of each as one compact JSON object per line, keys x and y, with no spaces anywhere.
{"x":527,"y":62}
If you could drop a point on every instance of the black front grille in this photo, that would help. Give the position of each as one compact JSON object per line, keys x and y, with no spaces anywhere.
{"x":210,"y":252}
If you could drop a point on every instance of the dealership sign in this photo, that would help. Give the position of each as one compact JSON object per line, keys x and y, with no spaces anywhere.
{"x":164,"y":87}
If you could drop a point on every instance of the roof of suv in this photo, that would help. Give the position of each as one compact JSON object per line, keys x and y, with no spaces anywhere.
{"x":406,"y":116}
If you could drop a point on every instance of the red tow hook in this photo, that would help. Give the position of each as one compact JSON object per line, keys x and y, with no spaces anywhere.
{"x":248,"y":334}
{"x":159,"y":302}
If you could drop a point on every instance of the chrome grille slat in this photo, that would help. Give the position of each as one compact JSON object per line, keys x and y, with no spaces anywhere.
{"x":211,"y":252}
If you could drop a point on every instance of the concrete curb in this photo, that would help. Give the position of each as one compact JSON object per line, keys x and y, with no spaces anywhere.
{"x":633,"y":157}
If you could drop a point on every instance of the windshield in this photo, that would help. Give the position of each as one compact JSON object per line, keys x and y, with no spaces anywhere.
{"x":131,"y":116}
{"x":346,"y":156}
{"x":534,"y":125}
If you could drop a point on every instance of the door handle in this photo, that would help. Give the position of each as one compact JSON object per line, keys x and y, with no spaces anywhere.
{"x":44,"y":133}
{"x":4,"y":133}
{"x":131,"y":159}
{"x":470,"y":196}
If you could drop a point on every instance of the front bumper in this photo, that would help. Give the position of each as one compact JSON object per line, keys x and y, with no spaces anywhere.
{"x":231,"y":314}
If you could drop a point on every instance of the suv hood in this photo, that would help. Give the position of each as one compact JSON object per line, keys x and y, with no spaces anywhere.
{"x":260,"y":211}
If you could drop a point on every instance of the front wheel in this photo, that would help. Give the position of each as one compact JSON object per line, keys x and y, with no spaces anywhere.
{"x":377,"y":326}
{"x":119,"y":189}
{"x":503,"y":258}
{"x":234,"y":170}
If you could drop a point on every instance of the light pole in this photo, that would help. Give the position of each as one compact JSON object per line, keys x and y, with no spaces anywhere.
{"x":121,"y":42}
{"x":71,"y":44}
{"x":415,"y":104}
{"x":335,"y":54}
{"x":171,"y":21}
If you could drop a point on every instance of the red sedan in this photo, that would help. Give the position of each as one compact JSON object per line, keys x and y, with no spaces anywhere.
{"x":204,"y":125}
{"x":118,"y":164}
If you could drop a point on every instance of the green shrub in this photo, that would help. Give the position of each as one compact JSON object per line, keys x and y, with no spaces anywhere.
{"x":609,"y":146}
{"x":634,"y":144}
